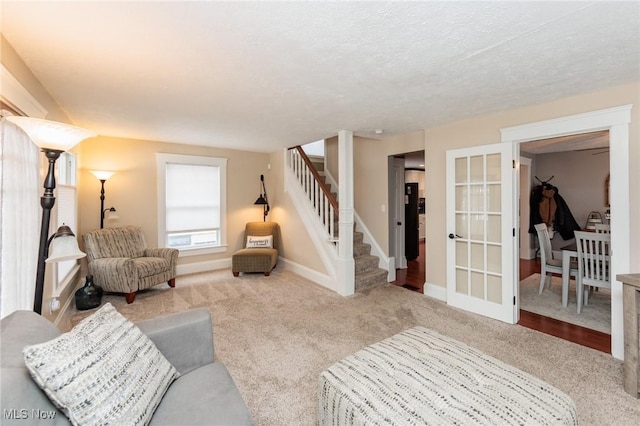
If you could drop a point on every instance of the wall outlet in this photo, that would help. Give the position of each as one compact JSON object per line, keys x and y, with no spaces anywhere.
{"x":54,"y":305}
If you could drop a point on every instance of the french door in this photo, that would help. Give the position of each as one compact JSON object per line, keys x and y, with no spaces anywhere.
{"x":481,"y":241}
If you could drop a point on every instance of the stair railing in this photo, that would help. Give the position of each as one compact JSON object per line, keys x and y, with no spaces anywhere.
{"x":321,"y":199}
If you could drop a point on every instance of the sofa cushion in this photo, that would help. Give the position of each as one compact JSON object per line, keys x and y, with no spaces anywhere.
{"x":20,"y":329}
{"x":104,"y":369}
{"x":17,"y":390}
{"x":206,"y":396}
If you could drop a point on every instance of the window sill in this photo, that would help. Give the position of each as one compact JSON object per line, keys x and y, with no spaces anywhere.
{"x":186,"y":252}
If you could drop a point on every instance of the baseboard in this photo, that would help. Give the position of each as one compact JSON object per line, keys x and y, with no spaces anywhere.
{"x":209,"y":265}
{"x":391,"y":272}
{"x":435,"y":291}
{"x":64,"y":310}
{"x":308,"y":273}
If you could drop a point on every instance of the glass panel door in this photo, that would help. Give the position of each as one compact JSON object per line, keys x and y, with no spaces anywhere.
{"x":480,"y":257}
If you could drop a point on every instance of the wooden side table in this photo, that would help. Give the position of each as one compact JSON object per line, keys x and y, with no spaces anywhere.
{"x":631,"y":304}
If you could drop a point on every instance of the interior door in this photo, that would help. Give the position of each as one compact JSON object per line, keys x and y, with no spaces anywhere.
{"x":481,"y":241}
{"x":411,"y":223}
{"x":398,"y":213}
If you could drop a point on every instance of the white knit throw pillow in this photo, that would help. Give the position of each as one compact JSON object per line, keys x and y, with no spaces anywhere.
{"x":104,"y":371}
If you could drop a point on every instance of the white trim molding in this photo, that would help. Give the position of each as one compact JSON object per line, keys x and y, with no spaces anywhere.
{"x":616,"y":120}
{"x":197,"y":267}
{"x":435,"y":291}
{"x":311,"y":274}
{"x":15,"y":95}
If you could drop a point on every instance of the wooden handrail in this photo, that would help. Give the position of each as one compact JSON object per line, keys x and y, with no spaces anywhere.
{"x":316,"y":176}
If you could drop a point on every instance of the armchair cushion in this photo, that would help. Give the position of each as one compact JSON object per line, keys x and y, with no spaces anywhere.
{"x":104,"y":370}
{"x":149,"y":266}
{"x":126,"y":241}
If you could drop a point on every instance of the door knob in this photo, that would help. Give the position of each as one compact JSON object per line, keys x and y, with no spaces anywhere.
{"x":452,"y":236}
{"x":398,"y":223}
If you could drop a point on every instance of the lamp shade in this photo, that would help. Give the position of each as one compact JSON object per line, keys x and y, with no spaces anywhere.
{"x":64,"y":246}
{"x":111,"y":214}
{"x":102,"y":174}
{"x":51,"y":134}
{"x":261,"y":201}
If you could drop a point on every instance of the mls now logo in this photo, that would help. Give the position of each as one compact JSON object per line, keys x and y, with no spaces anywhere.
{"x":23,"y":414}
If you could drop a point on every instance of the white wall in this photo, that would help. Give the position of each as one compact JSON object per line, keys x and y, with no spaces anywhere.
{"x":580,"y":178}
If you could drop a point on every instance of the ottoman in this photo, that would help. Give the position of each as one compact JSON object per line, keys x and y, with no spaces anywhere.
{"x":422,"y":377}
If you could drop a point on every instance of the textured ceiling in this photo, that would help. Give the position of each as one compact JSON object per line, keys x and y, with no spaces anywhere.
{"x":264,"y":75}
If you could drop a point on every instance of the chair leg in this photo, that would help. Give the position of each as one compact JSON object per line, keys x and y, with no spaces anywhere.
{"x":172,"y":282}
{"x":579,"y":294}
{"x":543,"y":279}
{"x":130,"y":297}
{"x":236,"y":274}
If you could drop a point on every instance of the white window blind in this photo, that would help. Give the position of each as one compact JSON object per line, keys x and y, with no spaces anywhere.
{"x":191,"y":202}
{"x":193,"y":197}
{"x":66,"y":208}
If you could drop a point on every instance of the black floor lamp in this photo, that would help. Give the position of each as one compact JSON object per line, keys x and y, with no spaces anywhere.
{"x":53,"y":139}
{"x":103,"y":176}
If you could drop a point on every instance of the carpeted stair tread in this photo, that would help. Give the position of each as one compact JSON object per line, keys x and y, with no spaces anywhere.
{"x":360,"y":249}
{"x":371,"y":278}
{"x":366,"y":262}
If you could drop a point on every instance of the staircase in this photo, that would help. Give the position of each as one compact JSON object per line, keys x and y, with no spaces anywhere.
{"x":368,"y":275}
{"x":367,"y":272}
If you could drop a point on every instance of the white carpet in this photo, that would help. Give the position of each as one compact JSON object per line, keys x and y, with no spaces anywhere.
{"x":596,"y":315}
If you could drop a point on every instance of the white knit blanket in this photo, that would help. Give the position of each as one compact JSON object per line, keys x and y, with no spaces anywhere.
{"x":420,"y":377}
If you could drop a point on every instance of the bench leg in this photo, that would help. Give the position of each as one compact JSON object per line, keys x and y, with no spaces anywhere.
{"x":172,"y":282}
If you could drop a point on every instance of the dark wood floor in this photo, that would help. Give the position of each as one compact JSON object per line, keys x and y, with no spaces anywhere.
{"x":413,"y":278}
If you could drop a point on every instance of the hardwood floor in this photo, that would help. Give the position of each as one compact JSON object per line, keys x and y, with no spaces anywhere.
{"x":573,"y":333}
{"x":413,"y":278}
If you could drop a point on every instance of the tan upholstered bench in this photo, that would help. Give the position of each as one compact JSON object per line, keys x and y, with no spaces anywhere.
{"x":422,"y":377}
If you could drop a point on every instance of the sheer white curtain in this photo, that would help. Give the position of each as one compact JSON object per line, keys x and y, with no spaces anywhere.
{"x":19,"y":218}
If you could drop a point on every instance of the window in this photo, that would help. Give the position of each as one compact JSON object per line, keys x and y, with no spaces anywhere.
{"x":191,"y":203}
{"x":66,"y":208}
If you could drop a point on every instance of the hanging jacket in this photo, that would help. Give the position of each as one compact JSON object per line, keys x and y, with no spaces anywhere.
{"x":548,"y":206}
{"x":563,"y":221}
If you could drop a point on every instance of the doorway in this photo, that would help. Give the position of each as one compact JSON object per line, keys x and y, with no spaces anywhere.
{"x":577,"y":166}
{"x":617,"y":121}
{"x":407,"y":218}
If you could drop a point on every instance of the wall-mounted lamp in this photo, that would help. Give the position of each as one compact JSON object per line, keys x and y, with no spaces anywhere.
{"x":263,"y":200}
{"x":53,"y":139}
{"x":103,"y":176}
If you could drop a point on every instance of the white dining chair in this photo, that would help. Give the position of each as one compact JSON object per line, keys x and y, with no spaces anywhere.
{"x":594,"y":264}
{"x":603,"y":228}
{"x":549,"y":265}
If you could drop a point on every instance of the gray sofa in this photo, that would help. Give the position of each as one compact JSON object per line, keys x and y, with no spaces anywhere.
{"x":204,"y":394}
